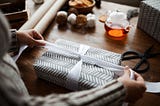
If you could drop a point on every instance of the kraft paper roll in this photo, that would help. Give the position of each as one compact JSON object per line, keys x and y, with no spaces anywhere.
{"x":36,"y":17}
{"x":49,"y":16}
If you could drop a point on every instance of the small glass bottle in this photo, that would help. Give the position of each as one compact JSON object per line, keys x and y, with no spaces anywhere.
{"x":98,"y":3}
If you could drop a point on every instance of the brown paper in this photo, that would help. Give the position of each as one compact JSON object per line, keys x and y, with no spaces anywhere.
{"x":36,"y":17}
{"x":49,"y":16}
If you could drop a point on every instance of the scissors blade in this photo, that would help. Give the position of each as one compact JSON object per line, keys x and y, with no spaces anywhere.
{"x":153,"y":55}
{"x":148,"y":50}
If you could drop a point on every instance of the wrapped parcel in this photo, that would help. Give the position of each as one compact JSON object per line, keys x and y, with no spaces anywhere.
{"x":76,"y":66}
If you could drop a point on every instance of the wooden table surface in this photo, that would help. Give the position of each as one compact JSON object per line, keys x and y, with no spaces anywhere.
{"x":136,"y":40}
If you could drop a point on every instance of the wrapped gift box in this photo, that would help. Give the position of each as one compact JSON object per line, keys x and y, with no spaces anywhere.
{"x":55,"y":66}
{"x":149,"y":18}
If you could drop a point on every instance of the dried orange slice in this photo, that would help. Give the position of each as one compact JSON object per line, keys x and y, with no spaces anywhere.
{"x":103,"y":18}
{"x":87,"y":2}
{"x":73,"y":3}
{"x":79,"y":2}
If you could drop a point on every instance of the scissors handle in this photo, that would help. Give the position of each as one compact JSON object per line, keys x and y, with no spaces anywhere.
{"x":130,"y":55}
{"x":138,"y":66}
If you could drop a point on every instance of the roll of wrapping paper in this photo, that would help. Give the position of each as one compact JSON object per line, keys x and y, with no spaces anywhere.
{"x":49,"y":16}
{"x":42,"y":23}
{"x":37,"y":16}
{"x":31,"y":23}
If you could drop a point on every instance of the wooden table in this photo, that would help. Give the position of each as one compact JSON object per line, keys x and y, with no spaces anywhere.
{"x":136,"y":40}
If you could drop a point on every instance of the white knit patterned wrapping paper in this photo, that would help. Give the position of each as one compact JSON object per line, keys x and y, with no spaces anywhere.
{"x":149,"y":18}
{"x":54,"y":67}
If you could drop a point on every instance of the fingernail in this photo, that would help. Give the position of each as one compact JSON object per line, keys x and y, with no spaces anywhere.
{"x":131,"y":74}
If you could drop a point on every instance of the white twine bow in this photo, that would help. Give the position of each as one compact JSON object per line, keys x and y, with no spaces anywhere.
{"x":74,"y":75}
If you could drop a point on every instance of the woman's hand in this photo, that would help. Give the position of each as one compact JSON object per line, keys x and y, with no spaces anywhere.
{"x":135,"y":87}
{"x":30,"y":37}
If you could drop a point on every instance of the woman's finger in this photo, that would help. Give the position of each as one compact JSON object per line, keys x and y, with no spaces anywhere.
{"x":39,"y":43}
{"x":127,"y":71}
{"x":138,"y":77}
{"x":37,"y":35}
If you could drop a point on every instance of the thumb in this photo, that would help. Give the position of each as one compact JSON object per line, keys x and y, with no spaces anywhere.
{"x":39,"y":43}
{"x":126,"y":71}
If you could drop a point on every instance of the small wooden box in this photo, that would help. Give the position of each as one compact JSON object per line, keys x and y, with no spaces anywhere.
{"x":17,"y":19}
{"x":8,"y":6}
{"x":15,"y":12}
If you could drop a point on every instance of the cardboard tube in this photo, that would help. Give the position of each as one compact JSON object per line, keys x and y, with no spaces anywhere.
{"x":36,"y":17}
{"x":49,"y":16}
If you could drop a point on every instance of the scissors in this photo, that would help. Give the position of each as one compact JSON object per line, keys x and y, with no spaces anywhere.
{"x":129,"y":55}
